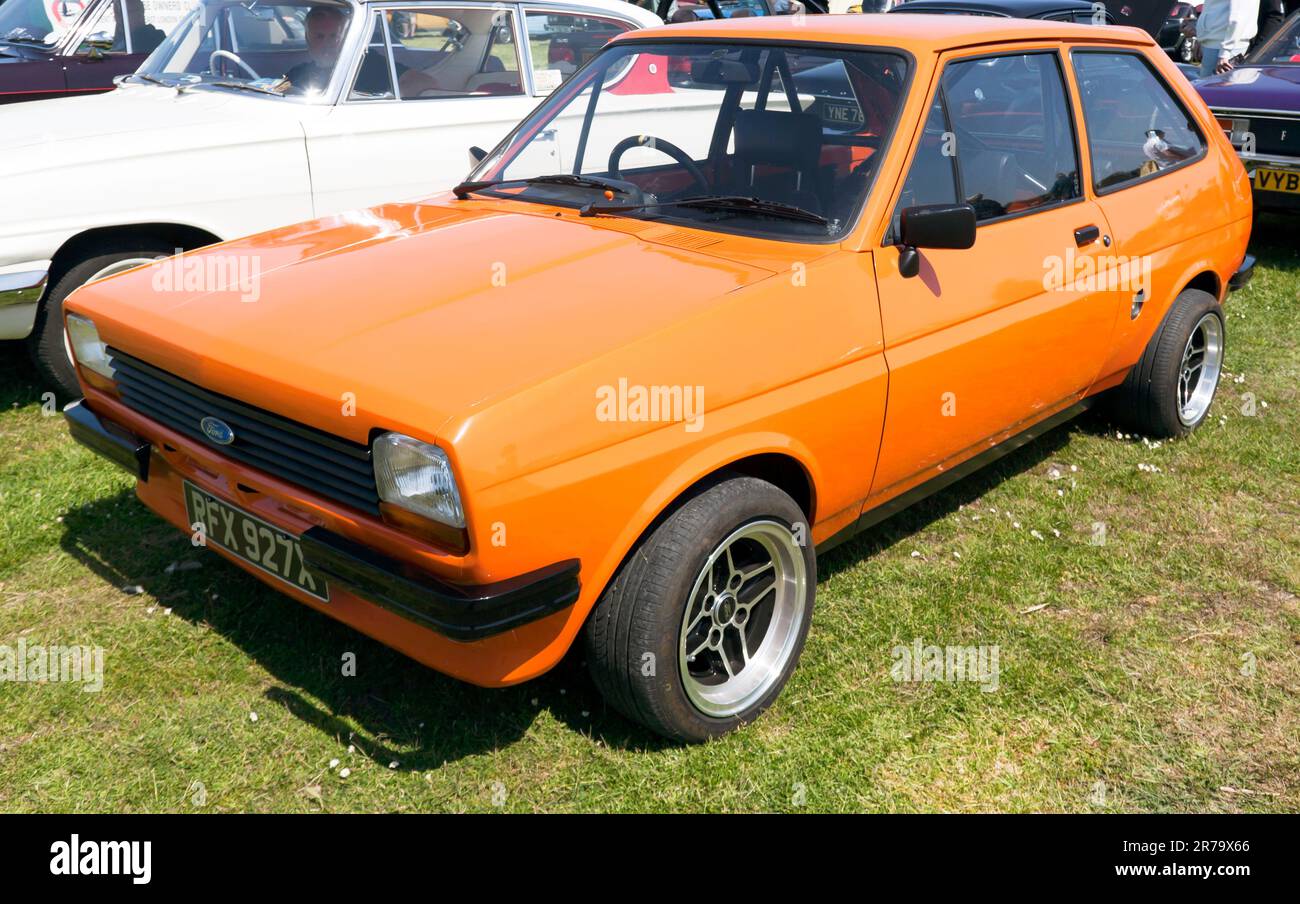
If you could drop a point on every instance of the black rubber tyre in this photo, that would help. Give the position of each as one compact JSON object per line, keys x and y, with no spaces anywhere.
{"x":46,"y":341}
{"x":642,"y":610}
{"x":1147,"y":400}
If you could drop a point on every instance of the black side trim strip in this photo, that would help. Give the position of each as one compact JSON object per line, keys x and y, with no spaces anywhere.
{"x":872,"y":517}
{"x":108,"y":439}
{"x":459,"y":612}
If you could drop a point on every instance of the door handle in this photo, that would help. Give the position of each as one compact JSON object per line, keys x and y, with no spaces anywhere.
{"x":1086,"y":235}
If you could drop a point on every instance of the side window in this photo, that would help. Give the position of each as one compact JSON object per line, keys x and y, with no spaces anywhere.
{"x":932,"y":178}
{"x":132,"y":26}
{"x":374,"y":79}
{"x":164,"y":15}
{"x":148,"y":21}
{"x":1136,"y":127}
{"x":562,"y":42}
{"x":1014,"y":135}
{"x":447,"y":52}
{"x":104,"y":31}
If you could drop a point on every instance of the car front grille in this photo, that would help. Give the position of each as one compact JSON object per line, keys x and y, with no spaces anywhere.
{"x":1279,"y":137}
{"x":323,"y":464}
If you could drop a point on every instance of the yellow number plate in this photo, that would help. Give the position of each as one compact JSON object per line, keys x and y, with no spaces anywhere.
{"x":1277,"y":180}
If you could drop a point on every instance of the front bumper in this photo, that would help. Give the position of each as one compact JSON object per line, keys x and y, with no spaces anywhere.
{"x":456,"y":611}
{"x":23,"y":283}
{"x":461,"y":613}
{"x":108,"y":439}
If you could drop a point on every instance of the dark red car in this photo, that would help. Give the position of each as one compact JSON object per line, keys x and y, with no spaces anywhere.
{"x":57,"y":48}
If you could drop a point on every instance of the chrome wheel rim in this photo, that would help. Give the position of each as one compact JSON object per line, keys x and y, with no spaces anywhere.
{"x":120,"y":267}
{"x":743,"y":619}
{"x":1198,"y":374}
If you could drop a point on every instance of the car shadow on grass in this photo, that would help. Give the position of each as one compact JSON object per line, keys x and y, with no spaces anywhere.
{"x":1272,"y":241}
{"x":393,"y":710}
{"x":20,"y":384}
{"x":919,"y":516}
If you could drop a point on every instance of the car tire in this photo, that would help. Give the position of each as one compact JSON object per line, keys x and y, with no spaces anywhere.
{"x":730,"y":573}
{"x":47,"y":343}
{"x":1168,"y":392}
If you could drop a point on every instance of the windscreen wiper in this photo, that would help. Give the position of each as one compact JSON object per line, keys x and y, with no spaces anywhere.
{"x":736,"y":203}
{"x":247,"y":86}
{"x":146,"y":77}
{"x":463,"y":190}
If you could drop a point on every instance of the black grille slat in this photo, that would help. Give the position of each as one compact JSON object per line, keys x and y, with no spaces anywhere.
{"x":324,"y":464}
{"x":352,"y":450}
{"x":183,"y":422}
{"x":188,"y":416}
{"x":234,"y":417}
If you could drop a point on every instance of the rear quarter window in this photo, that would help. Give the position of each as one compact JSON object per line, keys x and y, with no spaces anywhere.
{"x":1137,"y":127}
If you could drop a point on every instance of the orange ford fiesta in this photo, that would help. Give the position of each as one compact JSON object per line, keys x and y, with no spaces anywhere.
{"x":734,"y":292}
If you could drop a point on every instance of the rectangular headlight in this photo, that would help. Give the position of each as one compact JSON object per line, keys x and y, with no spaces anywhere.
{"x":417,"y":476}
{"x":88,"y":349}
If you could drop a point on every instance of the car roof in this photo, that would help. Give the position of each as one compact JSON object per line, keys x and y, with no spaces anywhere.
{"x":621,"y":7}
{"x":611,"y":6}
{"x":1015,"y":8}
{"x":919,"y":34}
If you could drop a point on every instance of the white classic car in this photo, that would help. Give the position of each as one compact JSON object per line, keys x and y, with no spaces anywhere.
{"x":253,"y":115}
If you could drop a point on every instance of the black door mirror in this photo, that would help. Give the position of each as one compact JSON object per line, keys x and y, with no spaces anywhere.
{"x":933,"y":226}
{"x":476,"y":155}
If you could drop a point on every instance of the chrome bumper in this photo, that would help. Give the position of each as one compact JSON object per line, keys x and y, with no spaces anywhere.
{"x":24,"y":286}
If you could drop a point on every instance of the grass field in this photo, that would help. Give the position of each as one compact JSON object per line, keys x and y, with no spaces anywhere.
{"x":1159,"y":671}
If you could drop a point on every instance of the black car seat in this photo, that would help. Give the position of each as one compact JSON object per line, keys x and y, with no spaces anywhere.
{"x":777,"y":155}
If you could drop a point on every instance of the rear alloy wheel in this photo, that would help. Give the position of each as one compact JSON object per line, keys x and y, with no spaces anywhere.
{"x":1198,"y":374}
{"x":1169,"y":391}
{"x":49,"y":342}
{"x":704,"y":623}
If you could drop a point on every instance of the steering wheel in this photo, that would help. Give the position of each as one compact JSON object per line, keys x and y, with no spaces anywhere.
{"x":212,"y":62}
{"x":658,"y":144}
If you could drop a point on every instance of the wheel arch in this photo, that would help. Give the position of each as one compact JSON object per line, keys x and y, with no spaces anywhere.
{"x":1207,"y":281}
{"x":779,"y":460}
{"x":181,"y":235}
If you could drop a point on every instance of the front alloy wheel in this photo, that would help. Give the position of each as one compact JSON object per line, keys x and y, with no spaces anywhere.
{"x":742,"y":623}
{"x":702,"y":626}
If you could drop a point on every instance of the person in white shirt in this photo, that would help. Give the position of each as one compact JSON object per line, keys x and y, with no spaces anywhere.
{"x":1224,"y":30}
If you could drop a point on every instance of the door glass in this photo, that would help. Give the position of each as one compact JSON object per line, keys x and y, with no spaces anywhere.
{"x":561,"y":42}
{"x":141,"y":30}
{"x":374,"y":77}
{"x":1015,"y":145}
{"x":147,"y":23}
{"x":452,"y":52}
{"x":39,"y":22}
{"x":105,"y":29}
{"x":932,"y":179}
{"x":1136,"y":129}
